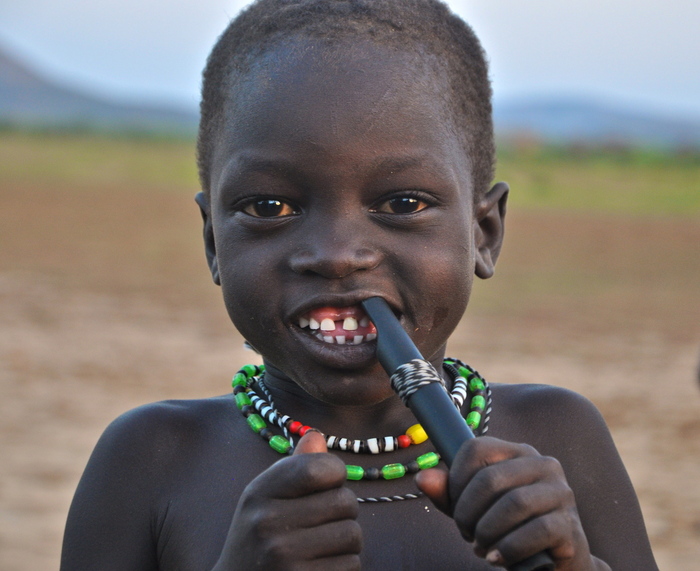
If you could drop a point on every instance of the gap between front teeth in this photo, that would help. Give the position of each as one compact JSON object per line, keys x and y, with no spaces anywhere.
{"x":321,"y":330}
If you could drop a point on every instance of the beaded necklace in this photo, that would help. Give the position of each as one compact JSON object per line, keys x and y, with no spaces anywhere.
{"x":466,"y":384}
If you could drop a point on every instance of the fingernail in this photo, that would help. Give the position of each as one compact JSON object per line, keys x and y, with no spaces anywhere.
{"x":494,"y":557}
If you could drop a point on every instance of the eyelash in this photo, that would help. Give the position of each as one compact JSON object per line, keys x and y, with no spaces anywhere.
{"x":421,"y":198}
{"x":251,"y":203}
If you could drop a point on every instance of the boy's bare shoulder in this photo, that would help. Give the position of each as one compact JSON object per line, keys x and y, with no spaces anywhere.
{"x":158,"y":467}
{"x":548,"y":417}
{"x":164,"y":432}
{"x":548,"y":401}
{"x":173,"y":416}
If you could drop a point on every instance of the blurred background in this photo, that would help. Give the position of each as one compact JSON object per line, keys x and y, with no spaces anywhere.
{"x":106,"y":302}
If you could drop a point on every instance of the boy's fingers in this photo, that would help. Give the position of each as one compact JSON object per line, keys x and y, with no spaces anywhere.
{"x":434,"y":484}
{"x":298,"y":475}
{"x":312,"y":442}
{"x":480,"y":453}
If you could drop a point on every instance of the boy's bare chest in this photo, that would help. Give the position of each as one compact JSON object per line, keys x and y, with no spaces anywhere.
{"x":410,"y":535}
{"x":193,"y":515}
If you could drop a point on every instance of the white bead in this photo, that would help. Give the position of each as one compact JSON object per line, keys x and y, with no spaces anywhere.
{"x":388,"y":444}
{"x":373,"y":445}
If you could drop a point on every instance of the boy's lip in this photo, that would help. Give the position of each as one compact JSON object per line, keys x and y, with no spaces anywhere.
{"x":337,"y":325}
{"x":342,"y":303}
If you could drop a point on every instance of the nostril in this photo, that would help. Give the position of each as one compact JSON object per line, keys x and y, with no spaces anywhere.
{"x":334,"y":263}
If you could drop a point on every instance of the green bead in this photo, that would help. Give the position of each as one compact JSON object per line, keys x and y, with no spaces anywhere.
{"x":464,"y":372}
{"x":355,"y":472}
{"x":473,"y":420}
{"x":242,"y":399}
{"x":393,"y":471}
{"x":280,"y":444}
{"x":239,"y":380}
{"x":476,"y":384}
{"x":478,"y":402}
{"x":428,"y":460}
{"x":256,"y":422}
{"x":249,"y":370}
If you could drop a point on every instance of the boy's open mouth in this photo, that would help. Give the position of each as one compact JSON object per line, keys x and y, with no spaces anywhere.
{"x":339,"y":325}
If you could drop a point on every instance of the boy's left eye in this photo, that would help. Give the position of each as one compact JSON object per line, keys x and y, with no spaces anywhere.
{"x":401,"y":205}
{"x":269,"y":208}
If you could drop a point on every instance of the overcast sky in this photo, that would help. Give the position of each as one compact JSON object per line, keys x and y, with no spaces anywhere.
{"x":641,"y":53}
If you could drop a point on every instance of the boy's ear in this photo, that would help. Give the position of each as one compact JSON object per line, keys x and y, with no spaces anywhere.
{"x":489,"y":217}
{"x":209,"y":245}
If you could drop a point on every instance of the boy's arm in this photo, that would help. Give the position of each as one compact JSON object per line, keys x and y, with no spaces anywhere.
{"x":605,"y":498}
{"x":516,"y":499}
{"x":297,"y":513}
{"x":109,"y":524}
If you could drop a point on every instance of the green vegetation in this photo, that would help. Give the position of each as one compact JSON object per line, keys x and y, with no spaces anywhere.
{"x":613,"y":179}
{"x":91,"y":162}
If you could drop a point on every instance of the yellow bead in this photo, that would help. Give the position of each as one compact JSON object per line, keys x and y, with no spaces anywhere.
{"x":416,"y":434}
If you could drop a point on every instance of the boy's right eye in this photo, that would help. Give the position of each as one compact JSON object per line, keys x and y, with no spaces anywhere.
{"x":269,"y":208}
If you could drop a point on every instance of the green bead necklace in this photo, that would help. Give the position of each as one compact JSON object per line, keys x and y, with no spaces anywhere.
{"x":467,"y":383}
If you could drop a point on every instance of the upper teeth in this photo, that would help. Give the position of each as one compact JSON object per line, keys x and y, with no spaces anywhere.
{"x":322,"y":330}
{"x":327,"y":324}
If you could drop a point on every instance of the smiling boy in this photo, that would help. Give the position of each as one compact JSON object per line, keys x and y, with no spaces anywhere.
{"x":345,"y":152}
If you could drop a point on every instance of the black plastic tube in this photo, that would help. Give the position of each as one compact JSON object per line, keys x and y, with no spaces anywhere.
{"x":430,"y":404}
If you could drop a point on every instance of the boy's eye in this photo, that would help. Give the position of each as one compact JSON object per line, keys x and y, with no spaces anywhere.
{"x":269,"y":208}
{"x":401,"y":205}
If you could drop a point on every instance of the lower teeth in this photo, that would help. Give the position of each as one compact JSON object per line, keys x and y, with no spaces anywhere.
{"x":343,"y":340}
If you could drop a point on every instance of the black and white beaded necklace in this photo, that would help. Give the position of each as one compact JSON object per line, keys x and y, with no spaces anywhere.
{"x":249,"y":388}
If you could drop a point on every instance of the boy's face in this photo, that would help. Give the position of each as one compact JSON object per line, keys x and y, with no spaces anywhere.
{"x":340,"y":177}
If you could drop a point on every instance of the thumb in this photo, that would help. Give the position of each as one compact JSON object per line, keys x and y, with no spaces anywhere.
{"x":433,"y":483}
{"x":313,"y":441}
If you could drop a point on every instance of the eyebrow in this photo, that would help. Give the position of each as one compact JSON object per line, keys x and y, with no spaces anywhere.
{"x":250,"y":163}
{"x":398,"y":164}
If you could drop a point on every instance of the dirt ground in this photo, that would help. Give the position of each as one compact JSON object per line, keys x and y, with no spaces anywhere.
{"x":105,"y":303}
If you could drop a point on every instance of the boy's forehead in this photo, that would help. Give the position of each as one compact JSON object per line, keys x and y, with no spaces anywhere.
{"x":334,"y":94}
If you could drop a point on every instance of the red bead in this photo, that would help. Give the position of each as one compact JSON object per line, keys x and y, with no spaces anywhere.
{"x":404,"y":441}
{"x":303,"y":430}
{"x":295,"y":426}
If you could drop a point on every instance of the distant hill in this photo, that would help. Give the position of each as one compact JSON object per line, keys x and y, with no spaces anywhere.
{"x":570,"y":120}
{"x":28,"y":99}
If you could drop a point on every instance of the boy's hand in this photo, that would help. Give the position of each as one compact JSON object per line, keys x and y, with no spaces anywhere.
{"x":296,"y":515}
{"x":512,"y":503}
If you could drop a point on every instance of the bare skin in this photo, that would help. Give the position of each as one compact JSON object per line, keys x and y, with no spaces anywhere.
{"x":316,"y":204}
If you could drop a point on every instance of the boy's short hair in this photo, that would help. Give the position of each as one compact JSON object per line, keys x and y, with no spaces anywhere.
{"x":427,"y":24}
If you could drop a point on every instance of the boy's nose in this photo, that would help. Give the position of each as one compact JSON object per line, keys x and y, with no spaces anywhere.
{"x":334,"y":256}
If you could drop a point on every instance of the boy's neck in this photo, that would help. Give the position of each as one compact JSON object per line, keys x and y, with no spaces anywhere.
{"x":385,"y":418}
